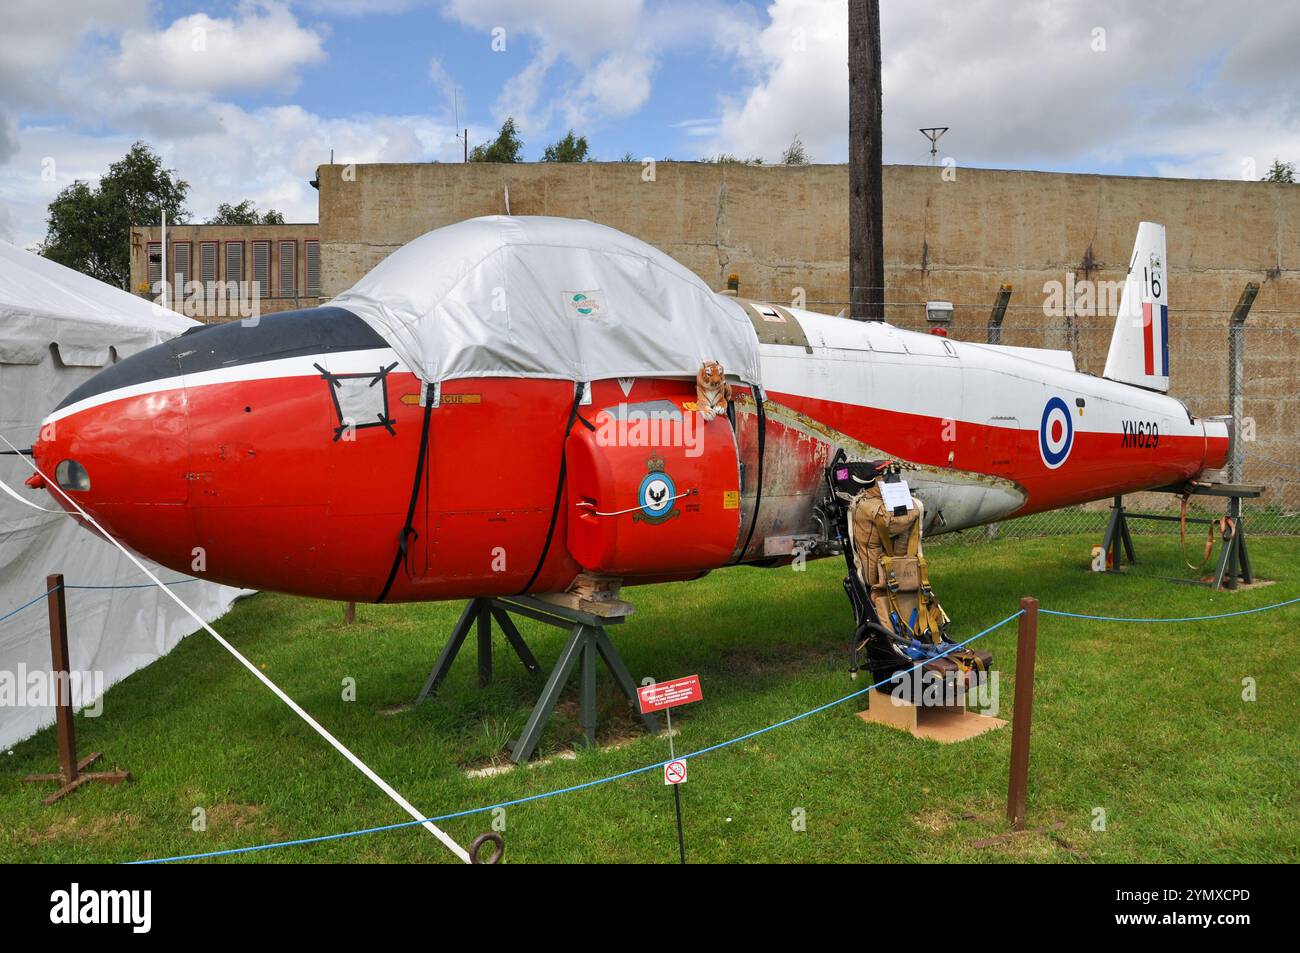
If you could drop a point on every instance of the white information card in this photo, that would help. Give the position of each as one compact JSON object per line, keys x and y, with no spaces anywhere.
{"x":896,"y":494}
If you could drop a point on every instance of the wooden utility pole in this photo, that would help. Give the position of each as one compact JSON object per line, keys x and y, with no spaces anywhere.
{"x":866,"y":179}
{"x":72,"y":771}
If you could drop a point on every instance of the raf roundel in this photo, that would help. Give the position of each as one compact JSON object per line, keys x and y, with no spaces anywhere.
{"x":1055,"y":433}
{"x":656,"y":495}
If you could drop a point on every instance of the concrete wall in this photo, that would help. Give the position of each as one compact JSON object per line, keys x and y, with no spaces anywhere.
{"x":785,"y":228}
{"x":214,"y":305}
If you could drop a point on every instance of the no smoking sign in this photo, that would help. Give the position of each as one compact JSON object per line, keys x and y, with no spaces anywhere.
{"x":675,"y":772}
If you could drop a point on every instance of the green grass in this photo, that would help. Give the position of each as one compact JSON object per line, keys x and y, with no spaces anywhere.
{"x":1144,"y":721}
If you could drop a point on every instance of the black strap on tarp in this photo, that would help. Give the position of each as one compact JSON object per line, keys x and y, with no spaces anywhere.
{"x":574,"y":417}
{"x":759,"y":400}
{"x":408,"y":528}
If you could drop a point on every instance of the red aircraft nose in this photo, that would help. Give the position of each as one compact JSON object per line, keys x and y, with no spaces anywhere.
{"x":123,"y":458}
{"x":220,"y":454}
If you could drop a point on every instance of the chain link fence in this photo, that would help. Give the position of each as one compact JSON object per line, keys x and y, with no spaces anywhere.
{"x":1261,"y":390}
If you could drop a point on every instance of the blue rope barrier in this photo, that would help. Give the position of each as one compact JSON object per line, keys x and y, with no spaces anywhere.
{"x":146,"y":585}
{"x":1190,"y":618}
{"x":139,"y":585}
{"x":26,"y":605}
{"x":584,"y":785}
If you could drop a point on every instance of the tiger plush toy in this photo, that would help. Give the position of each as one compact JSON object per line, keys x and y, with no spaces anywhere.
{"x":712,"y":392}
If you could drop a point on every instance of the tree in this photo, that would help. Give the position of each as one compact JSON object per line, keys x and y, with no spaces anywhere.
{"x":795,"y":153}
{"x":245,"y":213}
{"x":505,"y":148}
{"x":569,"y":149}
{"x":89,"y":229}
{"x":1280,"y":172}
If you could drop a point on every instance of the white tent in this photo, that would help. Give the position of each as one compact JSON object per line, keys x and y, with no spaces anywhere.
{"x":58,"y":328}
{"x":536,"y":296}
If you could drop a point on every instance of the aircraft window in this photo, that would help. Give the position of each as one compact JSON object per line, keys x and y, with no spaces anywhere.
{"x":71,"y":475}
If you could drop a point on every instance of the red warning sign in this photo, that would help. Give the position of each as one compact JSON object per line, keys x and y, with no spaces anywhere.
{"x":661,"y":695}
{"x":675,"y":772}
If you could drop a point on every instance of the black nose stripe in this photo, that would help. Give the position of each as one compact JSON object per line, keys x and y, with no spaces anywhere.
{"x":209,"y":347}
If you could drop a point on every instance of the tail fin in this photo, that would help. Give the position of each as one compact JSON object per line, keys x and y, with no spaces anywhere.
{"x":1139,"y":346}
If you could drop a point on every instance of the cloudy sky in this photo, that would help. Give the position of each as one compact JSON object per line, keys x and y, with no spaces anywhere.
{"x":244,"y":98}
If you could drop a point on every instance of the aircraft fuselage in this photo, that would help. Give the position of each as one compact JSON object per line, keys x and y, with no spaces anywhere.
{"x":264,"y":457}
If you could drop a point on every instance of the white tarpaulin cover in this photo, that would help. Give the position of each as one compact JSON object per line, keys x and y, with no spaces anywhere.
{"x":57,"y":328}
{"x":535,"y":296}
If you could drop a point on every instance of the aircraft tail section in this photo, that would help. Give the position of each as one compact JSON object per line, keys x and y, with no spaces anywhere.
{"x":1139,"y":346}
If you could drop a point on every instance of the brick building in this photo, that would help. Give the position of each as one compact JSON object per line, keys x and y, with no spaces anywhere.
{"x":220,"y":272}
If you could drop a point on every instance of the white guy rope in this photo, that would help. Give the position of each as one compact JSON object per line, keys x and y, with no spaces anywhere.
{"x":14,"y":493}
{"x":342,"y":749}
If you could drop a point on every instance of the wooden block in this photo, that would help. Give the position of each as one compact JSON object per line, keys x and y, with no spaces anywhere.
{"x":945,"y":724}
{"x":588,"y":586}
{"x":604,"y":608}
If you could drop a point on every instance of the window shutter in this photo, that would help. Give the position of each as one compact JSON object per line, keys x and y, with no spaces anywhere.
{"x":262,"y":268}
{"x":208,"y":263}
{"x":234,"y":261}
{"x":313,"y":269}
{"x":288,"y":269}
{"x":180,"y":267}
{"x":154,"y":271}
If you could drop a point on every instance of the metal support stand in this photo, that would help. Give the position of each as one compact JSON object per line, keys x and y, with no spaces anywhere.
{"x":1117,"y":534}
{"x":479,"y":613}
{"x":1234,"y":559}
{"x":587,"y":641}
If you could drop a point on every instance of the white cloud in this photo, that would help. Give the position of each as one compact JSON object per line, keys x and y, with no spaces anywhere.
{"x":35,"y":46}
{"x":614,"y":46}
{"x":444,"y":82}
{"x":154,"y":85}
{"x":594,"y":35}
{"x":361,"y":8}
{"x":267,"y":155}
{"x":616,"y":86}
{"x":264,"y":46}
{"x":37,"y":39}
{"x":697,"y":128}
{"x":800,"y":60}
{"x":580,"y":30}
{"x":1023,"y":85}
{"x":1194,"y":90}
{"x":521,"y":93}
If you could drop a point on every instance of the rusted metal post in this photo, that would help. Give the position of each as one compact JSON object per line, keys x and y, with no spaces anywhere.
{"x":1022,"y":713}
{"x":999,"y":312}
{"x":1237,"y":375}
{"x":58,"y":608}
{"x":349,"y":613}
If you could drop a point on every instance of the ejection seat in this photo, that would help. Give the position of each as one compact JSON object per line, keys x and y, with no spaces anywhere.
{"x":898,"y":621}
